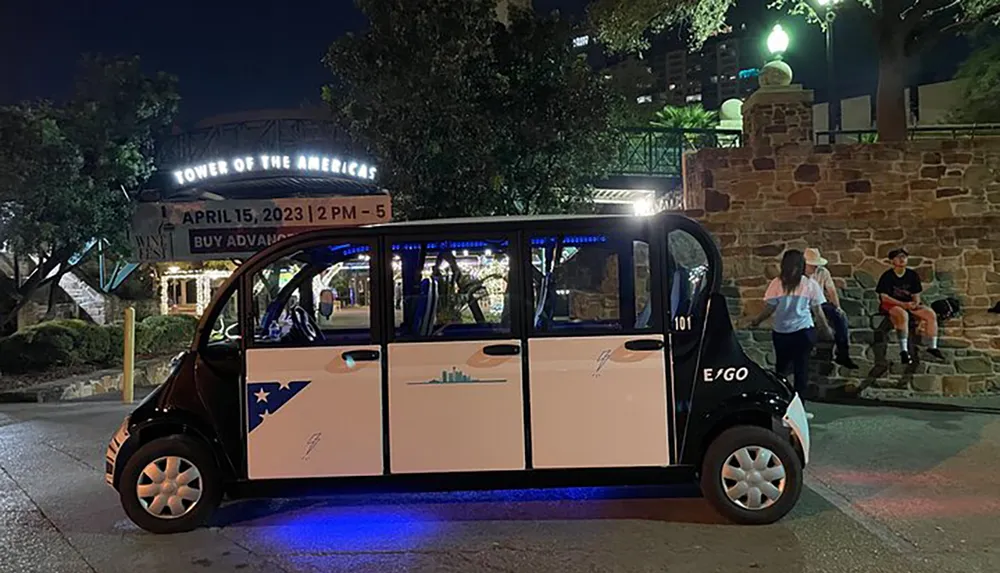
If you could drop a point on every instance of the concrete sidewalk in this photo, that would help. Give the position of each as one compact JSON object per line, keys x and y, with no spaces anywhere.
{"x":922,"y":480}
{"x":890,"y":490}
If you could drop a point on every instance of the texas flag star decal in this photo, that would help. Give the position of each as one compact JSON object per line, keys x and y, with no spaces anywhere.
{"x":266,"y":398}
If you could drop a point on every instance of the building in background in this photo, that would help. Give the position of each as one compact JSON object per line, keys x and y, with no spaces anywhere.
{"x":724,"y":68}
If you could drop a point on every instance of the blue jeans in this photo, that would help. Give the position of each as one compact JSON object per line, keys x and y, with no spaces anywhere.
{"x":839,"y":324}
{"x":791,"y":352}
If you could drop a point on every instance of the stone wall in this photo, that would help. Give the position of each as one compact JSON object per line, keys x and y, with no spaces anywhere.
{"x":939,"y":199}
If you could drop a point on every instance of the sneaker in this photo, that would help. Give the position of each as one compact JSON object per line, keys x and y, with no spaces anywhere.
{"x":936,"y":353}
{"x":846,"y":362}
{"x":904,"y":358}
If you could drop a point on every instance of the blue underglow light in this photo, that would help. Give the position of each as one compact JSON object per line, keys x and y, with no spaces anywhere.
{"x":570,"y":240}
{"x":380,"y":522}
{"x":450,"y":245}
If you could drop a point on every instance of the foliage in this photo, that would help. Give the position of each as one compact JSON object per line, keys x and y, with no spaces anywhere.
{"x":903,"y":28}
{"x":163,"y":334}
{"x":622,"y":25}
{"x":64,"y":169}
{"x":467,"y":116}
{"x":980,"y":75}
{"x":685,"y":117}
{"x":75,"y":342}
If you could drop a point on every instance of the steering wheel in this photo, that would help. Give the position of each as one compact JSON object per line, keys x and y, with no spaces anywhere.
{"x":305,"y":325}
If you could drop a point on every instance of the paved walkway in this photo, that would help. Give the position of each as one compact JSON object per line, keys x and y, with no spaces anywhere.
{"x":890,"y":490}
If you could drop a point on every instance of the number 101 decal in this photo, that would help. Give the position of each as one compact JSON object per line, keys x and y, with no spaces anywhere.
{"x":726,"y":374}
{"x":682,"y":323}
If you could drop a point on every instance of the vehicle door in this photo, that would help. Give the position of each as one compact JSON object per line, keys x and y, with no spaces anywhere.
{"x":454,"y":358}
{"x":597,"y":363}
{"x":702,"y":375}
{"x":313,"y":387}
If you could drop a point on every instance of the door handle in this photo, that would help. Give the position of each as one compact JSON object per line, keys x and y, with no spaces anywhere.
{"x":360,"y":355}
{"x":502,"y":350}
{"x":644,"y":345}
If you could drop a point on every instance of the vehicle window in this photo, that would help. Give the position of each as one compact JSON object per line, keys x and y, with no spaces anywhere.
{"x":688,"y":279}
{"x":643,"y":285}
{"x":579,"y":285}
{"x":451,"y":288}
{"x":315,"y":296}
{"x":226,"y":327}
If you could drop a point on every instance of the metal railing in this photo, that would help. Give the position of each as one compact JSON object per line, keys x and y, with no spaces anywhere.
{"x":658,"y":152}
{"x":944,"y":131}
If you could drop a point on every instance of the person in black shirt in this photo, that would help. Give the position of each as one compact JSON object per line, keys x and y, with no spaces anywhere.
{"x":899,"y":291}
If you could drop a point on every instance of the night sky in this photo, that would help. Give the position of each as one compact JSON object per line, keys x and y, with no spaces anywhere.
{"x":233,"y":56}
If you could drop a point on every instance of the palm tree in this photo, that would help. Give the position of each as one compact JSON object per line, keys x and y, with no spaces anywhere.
{"x":685,"y":117}
{"x":688,"y":117}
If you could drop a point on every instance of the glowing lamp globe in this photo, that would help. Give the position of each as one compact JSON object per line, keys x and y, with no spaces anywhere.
{"x":777,"y":40}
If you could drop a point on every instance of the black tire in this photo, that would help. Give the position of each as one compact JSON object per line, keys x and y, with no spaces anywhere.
{"x":194,"y":452}
{"x":728,"y":443}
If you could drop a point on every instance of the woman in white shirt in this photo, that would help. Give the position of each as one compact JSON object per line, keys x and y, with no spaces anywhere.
{"x":795,"y":302}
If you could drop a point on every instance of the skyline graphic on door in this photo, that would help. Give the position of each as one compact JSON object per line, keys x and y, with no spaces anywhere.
{"x":456,"y":376}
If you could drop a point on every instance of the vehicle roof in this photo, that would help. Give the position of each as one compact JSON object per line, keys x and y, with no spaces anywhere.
{"x":498,"y":219}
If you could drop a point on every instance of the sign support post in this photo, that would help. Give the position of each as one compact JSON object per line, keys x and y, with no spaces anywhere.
{"x":128,"y":376}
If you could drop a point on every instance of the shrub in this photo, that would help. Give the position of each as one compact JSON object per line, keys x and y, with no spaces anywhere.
{"x":40,"y":347}
{"x":163,"y":334}
{"x":73,"y":342}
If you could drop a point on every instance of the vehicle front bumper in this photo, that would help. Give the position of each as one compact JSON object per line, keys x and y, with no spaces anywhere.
{"x":795,"y":419}
{"x":114,"y":447}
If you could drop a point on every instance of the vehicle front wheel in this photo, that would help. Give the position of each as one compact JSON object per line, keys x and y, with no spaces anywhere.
{"x":170,"y":485}
{"x":751,"y":475}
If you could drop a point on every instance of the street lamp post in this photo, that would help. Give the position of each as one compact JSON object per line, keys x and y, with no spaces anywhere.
{"x":828,"y":12}
{"x":776,"y":73}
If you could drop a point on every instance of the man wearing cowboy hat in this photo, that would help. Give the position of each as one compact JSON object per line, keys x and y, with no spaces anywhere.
{"x":816,"y":270}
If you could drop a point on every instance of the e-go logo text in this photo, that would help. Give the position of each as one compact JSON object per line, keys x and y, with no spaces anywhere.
{"x":730,"y":374}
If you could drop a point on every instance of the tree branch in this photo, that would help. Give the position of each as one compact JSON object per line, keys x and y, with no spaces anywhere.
{"x":927,"y":34}
{"x":970,"y":23}
{"x":914,"y":14}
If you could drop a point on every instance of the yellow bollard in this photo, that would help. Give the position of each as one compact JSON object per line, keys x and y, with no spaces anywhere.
{"x":128,"y":376}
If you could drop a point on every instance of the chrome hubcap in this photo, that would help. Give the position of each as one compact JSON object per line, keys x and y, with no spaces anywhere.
{"x":753,"y":477}
{"x":169,"y":487}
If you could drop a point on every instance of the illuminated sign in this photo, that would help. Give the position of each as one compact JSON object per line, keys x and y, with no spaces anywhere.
{"x":302,"y":164}
{"x":218,"y":230}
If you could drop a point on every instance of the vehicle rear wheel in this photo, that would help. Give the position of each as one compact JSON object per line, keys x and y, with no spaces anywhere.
{"x":751,"y":475}
{"x":170,"y":485}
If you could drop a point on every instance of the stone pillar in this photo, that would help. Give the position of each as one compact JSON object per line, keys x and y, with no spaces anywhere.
{"x":778,"y":115}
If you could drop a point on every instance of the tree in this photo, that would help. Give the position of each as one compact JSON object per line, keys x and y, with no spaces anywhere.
{"x":685,"y":117}
{"x":467,"y":116}
{"x":902,"y":29}
{"x":980,"y":75}
{"x":64,"y":170}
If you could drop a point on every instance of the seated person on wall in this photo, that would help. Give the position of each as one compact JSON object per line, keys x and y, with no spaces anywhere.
{"x":899,"y":291}
{"x":816,"y":270}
